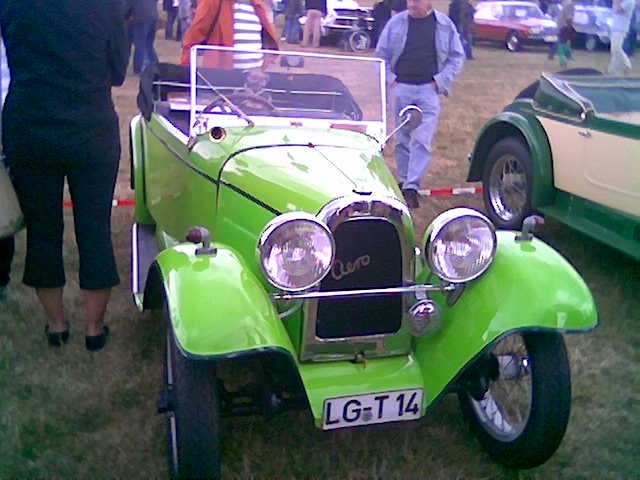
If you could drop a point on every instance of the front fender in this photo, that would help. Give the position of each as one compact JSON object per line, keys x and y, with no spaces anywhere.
{"x":525,"y":126}
{"x":216,"y":305}
{"x":529,"y":286}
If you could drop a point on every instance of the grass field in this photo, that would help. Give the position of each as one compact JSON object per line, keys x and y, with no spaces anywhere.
{"x":65,"y":413}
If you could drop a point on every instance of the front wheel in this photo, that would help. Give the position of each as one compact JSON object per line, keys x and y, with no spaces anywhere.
{"x":517,"y":398}
{"x":507,"y":183}
{"x":591,"y":42}
{"x":193,"y":415}
{"x":513,"y":42}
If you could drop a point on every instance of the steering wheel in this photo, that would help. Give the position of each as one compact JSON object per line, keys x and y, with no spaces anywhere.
{"x":250,"y":102}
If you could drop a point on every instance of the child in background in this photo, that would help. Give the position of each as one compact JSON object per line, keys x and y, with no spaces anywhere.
{"x":565,"y":36}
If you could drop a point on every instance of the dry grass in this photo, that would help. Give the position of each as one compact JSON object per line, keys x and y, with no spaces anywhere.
{"x":70,"y":414}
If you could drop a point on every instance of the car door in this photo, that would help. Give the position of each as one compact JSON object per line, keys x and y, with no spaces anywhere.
{"x":592,"y":160}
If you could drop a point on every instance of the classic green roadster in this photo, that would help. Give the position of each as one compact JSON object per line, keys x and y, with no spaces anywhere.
{"x":567,"y":147}
{"x":268,"y":226}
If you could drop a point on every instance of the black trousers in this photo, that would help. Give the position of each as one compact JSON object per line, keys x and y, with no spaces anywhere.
{"x":6,"y":256}
{"x":39,"y":186}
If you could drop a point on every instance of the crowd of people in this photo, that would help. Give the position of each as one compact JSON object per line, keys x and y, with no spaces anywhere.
{"x":82,"y":50}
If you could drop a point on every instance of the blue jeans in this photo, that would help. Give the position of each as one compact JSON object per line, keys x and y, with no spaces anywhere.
{"x":144,"y":34}
{"x":292,"y":30}
{"x":413,"y":148}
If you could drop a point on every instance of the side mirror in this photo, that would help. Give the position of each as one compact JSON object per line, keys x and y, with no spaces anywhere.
{"x":411,"y":117}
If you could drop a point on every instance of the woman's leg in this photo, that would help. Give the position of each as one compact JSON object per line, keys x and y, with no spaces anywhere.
{"x":51,"y":301}
{"x":39,"y":188}
{"x":91,"y":187}
{"x":306,"y":32}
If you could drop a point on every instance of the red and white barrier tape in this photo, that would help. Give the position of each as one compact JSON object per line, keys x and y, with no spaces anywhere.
{"x":126,"y":202}
{"x":450,"y":191}
{"x":436,"y":192}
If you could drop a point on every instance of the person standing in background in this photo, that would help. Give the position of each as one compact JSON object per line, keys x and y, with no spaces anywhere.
{"x":631,"y":39}
{"x":59,"y":123}
{"x":185,"y":17}
{"x":316,"y":9}
{"x":461,"y":14}
{"x":143,"y":18}
{"x":422,"y":54}
{"x":292,"y":14}
{"x":6,"y":243}
{"x":230,"y":23}
{"x":171,"y":9}
{"x":398,"y":6}
{"x":620,"y":22}
{"x":564,"y":18}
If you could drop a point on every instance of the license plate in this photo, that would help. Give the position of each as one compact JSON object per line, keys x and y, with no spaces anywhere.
{"x":372,"y":408}
{"x":551,"y":38}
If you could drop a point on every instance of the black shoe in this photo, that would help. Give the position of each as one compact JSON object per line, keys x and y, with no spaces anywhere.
{"x":97,"y":342}
{"x":411,"y":197}
{"x":56,"y":339}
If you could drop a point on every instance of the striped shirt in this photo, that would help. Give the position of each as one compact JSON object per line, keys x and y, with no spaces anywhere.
{"x":247,"y":35}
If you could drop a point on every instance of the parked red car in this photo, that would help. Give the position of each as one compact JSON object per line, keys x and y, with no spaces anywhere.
{"x":513,"y":23}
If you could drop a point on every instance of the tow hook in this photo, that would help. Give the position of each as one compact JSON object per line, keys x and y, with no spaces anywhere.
{"x":166,"y":400}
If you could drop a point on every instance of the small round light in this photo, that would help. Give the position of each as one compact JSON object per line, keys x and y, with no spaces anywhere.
{"x":296,"y":251}
{"x":461,"y":245}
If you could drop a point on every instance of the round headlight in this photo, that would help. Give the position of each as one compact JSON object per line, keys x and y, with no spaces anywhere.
{"x":296,"y":251}
{"x":460,"y":245}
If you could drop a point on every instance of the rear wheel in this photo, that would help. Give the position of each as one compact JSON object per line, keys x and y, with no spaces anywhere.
{"x":513,"y":41}
{"x":517,"y":398}
{"x":193,"y":415}
{"x":359,"y":41}
{"x":507,"y":183}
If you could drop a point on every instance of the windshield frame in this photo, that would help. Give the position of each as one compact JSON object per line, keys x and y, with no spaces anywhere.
{"x":198,"y":120}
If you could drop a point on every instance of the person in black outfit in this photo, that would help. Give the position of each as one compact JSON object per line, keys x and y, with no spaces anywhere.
{"x":59,"y":123}
{"x":381,"y":13}
{"x":461,"y":14}
{"x":6,"y":243}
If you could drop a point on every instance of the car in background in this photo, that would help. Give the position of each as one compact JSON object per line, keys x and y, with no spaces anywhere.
{"x":568,"y":147}
{"x":513,"y":23}
{"x":347,"y":23}
{"x":592,"y":21}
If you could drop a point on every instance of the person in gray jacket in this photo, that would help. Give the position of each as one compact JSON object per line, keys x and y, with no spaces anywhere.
{"x":423,"y":54}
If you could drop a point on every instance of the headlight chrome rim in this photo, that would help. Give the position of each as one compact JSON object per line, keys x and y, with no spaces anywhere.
{"x":439,"y":225}
{"x":280,"y":222}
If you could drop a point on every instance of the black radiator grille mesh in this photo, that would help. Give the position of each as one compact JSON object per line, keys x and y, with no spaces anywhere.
{"x":368,"y":255}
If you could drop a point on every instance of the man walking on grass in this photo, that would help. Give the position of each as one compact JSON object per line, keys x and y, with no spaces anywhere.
{"x":423,"y":54}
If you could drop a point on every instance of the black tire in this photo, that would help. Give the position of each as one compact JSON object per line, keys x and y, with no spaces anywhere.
{"x":359,"y":41}
{"x":513,"y":42}
{"x":193,"y":418}
{"x":539,"y":435}
{"x":507,"y":183}
{"x":591,"y":43}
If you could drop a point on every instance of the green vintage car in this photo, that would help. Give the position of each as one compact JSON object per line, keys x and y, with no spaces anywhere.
{"x":568,"y":147}
{"x":268,"y":227}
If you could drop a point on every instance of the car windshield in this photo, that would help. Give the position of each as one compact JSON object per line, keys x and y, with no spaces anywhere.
{"x":522,"y":11}
{"x":234,"y":87}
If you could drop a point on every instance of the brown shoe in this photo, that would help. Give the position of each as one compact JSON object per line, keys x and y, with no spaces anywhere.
{"x":411,"y":197}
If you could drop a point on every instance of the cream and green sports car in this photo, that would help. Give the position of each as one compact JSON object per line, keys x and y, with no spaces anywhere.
{"x":568,"y":147}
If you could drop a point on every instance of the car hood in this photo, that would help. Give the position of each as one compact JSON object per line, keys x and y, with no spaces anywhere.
{"x":286,"y":172}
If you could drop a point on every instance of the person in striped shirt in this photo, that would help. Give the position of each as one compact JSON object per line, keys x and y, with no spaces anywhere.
{"x":244,"y":24}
